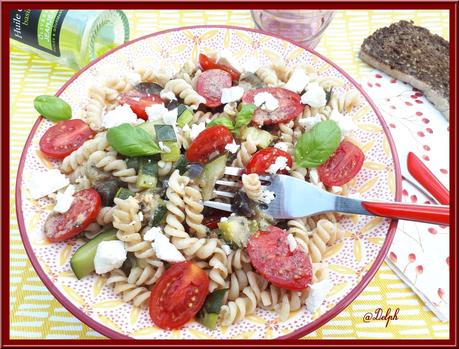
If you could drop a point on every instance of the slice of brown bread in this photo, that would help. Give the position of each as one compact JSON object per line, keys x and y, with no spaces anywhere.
{"x":414,"y":55}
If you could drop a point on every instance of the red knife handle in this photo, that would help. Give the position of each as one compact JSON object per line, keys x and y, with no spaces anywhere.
{"x":436,"y":214}
{"x":426,"y":178}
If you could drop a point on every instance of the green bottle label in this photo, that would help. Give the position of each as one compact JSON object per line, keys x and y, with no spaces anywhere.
{"x":38,"y":28}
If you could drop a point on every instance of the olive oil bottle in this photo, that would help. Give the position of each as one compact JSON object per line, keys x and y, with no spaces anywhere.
{"x":70,"y":37}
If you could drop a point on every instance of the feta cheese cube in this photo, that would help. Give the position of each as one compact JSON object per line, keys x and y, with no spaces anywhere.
{"x":314,"y":96}
{"x":109,"y":255}
{"x":345,"y":123}
{"x":279,"y":164}
{"x":158,"y":112}
{"x":232,"y":147}
{"x":170,"y":118}
{"x":317,"y":294}
{"x":64,"y":200}
{"x":44,"y":183}
{"x":292,"y":244}
{"x":155,"y":112}
{"x":309,"y":122}
{"x":266,"y":100}
{"x":152,"y":233}
{"x":231,"y":94}
{"x":223,"y":219}
{"x":122,"y":114}
{"x":282,"y":146}
{"x":267,"y":196}
{"x":166,"y":251}
{"x":196,"y":129}
{"x":225,"y":57}
{"x":297,"y":81}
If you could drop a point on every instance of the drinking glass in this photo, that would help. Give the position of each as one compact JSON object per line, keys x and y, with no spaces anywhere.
{"x":303,"y":26}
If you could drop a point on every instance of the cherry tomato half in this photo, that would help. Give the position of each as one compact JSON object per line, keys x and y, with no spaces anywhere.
{"x":84,"y":209}
{"x":270,"y":255}
{"x":262,"y":159}
{"x":65,"y":137}
{"x":289,"y":106}
{"x":207,"y":63}
{"x":210,"y":84}
{"x":178,"y":295}
{"x":138,"y":101}
{"x":212,"y":139}
{"x":343,"y":165}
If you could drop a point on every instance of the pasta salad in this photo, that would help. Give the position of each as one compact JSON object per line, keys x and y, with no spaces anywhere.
{"x":152,"y":147}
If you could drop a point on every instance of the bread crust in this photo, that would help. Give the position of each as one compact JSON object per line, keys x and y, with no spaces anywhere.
{"x":441,"y":103}
{"x":412,"y":54}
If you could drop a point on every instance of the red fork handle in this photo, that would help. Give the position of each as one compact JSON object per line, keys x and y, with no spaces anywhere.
{"x":436,"y":214}
{"x":426,"y":178}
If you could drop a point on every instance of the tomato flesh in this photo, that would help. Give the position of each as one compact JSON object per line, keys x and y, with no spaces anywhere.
{"x":138,"y":101}
{"x":270,"y":255}
{"x":178,"y":295}
{"x":289,"y":106}
{"x":264,"y":158}
{"x":210,"y":84}
{"x":343,"y":165}
{"x":207,"y":63}
{"x":211,"y":140}
{"x":65,"y":137}
{"x":84,"y":209}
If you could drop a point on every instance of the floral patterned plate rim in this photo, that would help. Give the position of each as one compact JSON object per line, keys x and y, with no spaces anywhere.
{"x":364,"y":250}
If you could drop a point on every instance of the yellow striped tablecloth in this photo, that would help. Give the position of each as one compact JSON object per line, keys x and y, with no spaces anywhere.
{"x":34,"y":313}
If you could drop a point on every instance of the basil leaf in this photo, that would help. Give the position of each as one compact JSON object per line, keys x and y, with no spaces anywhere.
{"x":316,"y":146}
{"x":244,"y":117}
{"x":132,"y":141}
{"x":222,"y":120}
{"x":53,"y":108}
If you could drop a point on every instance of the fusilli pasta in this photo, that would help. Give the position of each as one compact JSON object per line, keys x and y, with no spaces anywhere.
{"x":105,"y":215}
{"x":109,"y":162}
{"x":79,"y":156}
{"x":146,"y":274}
{"x":248,"y":148}
{"x":185,"y":91}
{"x":287,"y":135}
{"x":129,"y":292}
{"x":251,"y":184}
{"x":193,"y":210}
{"x":236,"y":310}
{"x":268,"y":76}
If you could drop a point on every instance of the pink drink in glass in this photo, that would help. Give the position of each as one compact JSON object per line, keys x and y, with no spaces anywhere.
{"x":303,"y":26}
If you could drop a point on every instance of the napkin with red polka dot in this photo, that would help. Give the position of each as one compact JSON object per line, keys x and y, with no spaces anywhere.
{"x":419,"y":254}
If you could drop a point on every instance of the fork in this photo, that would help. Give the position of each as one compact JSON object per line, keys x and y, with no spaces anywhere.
{"x":295,"y":198}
